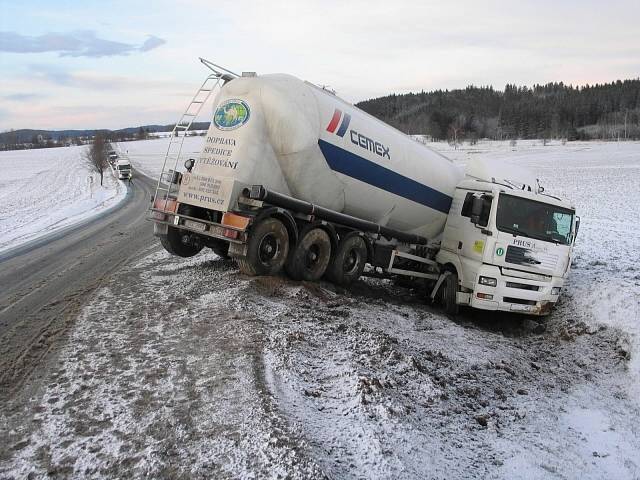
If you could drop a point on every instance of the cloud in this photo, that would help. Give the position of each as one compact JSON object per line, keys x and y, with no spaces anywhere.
{"x":89,"y":80}
{"x":51,"y":74}
{"x":23,"y":97}
{"x":81,"y":43}
{"x":151,"y":43}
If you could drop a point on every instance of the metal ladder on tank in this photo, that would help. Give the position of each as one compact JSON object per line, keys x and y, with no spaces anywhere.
{"x":167,"y":181}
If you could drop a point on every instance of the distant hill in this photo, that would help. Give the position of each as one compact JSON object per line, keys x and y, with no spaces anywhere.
{"x":554,"y":110}
{"x":27,"y":135}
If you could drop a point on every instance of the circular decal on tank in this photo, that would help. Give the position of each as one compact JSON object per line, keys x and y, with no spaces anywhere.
{"x":231,"y":114}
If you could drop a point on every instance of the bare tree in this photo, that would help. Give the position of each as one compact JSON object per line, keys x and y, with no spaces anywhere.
{"x":96,"y":155}
{"x":456,"y":131}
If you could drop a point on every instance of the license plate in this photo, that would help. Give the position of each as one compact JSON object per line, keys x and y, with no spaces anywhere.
{"x":521,"y":308}
{"x":217,"y":230}
{"x":201,"y":227}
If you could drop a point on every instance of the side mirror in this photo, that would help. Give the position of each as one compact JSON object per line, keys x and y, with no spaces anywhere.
{"x":575,"y":235}
{"x":476,"y":209}
{"x":189,"y":164}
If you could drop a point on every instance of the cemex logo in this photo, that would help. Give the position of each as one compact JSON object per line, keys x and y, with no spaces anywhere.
{"x":335,"y":120}
{"x":356,"y":138}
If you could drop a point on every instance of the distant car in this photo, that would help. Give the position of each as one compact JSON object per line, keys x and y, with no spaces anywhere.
{"x":113,"y":156}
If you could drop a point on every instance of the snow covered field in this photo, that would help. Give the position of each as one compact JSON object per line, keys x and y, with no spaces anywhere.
{"x":44,"y":190}
{"x":147,"y":155}
{"x":218,"y":375}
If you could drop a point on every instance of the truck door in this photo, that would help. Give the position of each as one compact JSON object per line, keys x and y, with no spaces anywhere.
{"x":472,"y":241}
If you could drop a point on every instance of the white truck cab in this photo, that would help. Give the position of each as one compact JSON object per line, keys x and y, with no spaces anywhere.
{"x":509,"y":245}
{"x":123,"y":169}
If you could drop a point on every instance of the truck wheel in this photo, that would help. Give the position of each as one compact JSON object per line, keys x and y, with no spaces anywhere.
{"x":220,"y":248}
{"x":349,"y":260}
{"x":309,"y":258}
{"x":267,"y":249}
{"x":172,"y":243}
{"x":449,"y":289}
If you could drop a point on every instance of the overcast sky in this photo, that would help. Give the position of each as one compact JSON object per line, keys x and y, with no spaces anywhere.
{"x":114,"y":64}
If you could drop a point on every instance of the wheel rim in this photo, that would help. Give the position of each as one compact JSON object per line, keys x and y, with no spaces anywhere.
{"x":312,"y":257}
{"x":268,"y":249}
{"x":351,"y":261}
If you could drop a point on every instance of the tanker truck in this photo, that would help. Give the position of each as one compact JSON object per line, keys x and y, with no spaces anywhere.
{"x":292,"y":178}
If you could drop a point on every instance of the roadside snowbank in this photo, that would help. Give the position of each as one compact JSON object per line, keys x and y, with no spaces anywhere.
{"x":42,"y":191}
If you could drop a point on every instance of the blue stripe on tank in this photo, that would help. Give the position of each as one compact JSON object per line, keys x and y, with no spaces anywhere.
{"x":355,"y":166}
{"x":344,"y":125}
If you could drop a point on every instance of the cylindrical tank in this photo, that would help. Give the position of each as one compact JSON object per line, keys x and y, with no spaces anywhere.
{"x":303,"y":141}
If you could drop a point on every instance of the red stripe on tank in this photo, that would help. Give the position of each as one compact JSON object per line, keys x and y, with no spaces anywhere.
{"x":334,"y":121}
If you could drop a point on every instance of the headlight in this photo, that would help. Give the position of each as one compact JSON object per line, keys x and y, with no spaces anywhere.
{"x":488,"y":281}
{"x":555,"y":290}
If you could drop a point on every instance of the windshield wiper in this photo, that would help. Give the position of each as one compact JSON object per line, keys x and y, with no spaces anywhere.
{"x":514,"y":231}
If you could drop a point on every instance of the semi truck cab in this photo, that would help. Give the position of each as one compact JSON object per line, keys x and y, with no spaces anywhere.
{"x":508,"y":247}
{"x":123,"y":169}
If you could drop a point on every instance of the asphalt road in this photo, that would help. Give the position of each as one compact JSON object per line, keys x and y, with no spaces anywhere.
{"x":44,"y":284}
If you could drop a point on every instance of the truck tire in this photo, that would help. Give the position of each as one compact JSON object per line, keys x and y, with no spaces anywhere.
{"x":220,"y":248}
{"x":449,"y":289}
{"x":348,"y":261}
{"x":172,"y":243}
{"x":310,"y":257}
{"x":267,"y":249}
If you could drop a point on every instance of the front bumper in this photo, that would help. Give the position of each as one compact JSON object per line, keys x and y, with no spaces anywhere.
{"x":513,"y":293}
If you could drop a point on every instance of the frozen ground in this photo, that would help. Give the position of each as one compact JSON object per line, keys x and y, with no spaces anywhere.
{"x":603,"y":180}
{"x":183,"y":368}
{"x":44,"y":190}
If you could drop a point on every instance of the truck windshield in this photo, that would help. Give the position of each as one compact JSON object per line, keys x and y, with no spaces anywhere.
{"x":124,"y":167}
{"x":533,"y":219}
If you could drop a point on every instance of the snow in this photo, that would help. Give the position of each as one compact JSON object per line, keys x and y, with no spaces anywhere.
{"x":186,"y":368}
{"x":45,"y":190}
{"x":153,"y":398}
{"x":603,"y":182}
{"x":168,"y":134}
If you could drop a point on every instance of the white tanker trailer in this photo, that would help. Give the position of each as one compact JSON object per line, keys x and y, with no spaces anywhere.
{"x":292,"y":177}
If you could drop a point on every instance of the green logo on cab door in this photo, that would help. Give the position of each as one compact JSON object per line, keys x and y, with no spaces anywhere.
{"x":499,"y":251}
{"x":231,"y":114}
